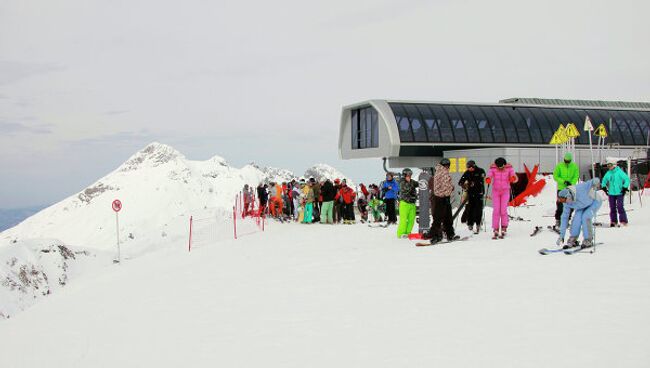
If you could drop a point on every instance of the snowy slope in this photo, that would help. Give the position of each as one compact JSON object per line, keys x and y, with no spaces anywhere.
{"x":159,"y":189}
{"x":352,"y":296}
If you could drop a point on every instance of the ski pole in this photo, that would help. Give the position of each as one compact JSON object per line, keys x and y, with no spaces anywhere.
{"x":484,"y":204}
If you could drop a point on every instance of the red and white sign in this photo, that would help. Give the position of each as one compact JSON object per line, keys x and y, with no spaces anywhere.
{"x":117,"y":205}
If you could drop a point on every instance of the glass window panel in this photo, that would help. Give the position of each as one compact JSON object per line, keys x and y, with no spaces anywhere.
{"x":446,"y":132}
{"x":457,"y":123}
{"x":403,"y":124}
{"x":643,"y":119}
{"x":635,"y":130}
{"x":473,"y":135}
{"x":355,"y":129}
{"x":419,"y":131}
{"x":482,"y":124}
{"x":623,"y":127}
{"x":553,"y":120}
{"x":602,"y":117}
{"x":577,"y":117}
{"x":430,"y":123}
{"x":527,"y":121}
{"x":489,"y":124}
{"x":375,"y":129}
{"x":362,"y":129}
{"x":545,"y":126}
{"x":508,"y":123}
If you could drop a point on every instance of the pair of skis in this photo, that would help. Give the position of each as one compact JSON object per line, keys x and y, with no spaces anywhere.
{"x":425,"y":244}
{"x":538,"y":229}
{"x":572,"y":250}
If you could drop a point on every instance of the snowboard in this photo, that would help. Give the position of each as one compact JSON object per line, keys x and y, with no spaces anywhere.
{"x":424,"y":213}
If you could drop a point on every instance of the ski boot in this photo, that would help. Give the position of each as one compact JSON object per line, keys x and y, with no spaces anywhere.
{"x":452,"y":238}
{"x":495,"y":235}
{"x":587,"y":243}
{"x":476,"y":230}
{"x":470,"y":227}
{"x":503,"y":232}
{"x":571,"y":243}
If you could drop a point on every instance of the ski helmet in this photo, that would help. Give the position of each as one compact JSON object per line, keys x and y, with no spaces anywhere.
{"x":445,"y":162}
{"x":471,"y":163}
{"x":500,"y":162}
{"x":407,"y":172}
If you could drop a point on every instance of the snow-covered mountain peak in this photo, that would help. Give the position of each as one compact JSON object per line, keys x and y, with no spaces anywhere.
{"x":324,"y":171}
{"x":154,"y":154}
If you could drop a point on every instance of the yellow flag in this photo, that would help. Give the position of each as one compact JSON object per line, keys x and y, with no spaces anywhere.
{"x":601,"y":131}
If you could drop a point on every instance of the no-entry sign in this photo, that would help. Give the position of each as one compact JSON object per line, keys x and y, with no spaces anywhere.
{"x":117,"y":205}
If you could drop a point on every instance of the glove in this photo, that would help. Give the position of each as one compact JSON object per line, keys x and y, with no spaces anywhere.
{"x":606,"y":190}
{"x":512,"y":179}
{"x":488,"y":181}
{"x":559,"y":241}
{"x":567,"y":183}
{"x":624,"y":190}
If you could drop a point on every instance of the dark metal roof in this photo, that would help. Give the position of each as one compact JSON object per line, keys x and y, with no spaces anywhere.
{"x":576,"y":103}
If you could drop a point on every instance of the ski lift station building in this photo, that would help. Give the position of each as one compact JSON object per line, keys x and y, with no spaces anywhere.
{"x":418,"y":134}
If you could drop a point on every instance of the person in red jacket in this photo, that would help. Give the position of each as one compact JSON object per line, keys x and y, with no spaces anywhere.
{"x":347,"y":194}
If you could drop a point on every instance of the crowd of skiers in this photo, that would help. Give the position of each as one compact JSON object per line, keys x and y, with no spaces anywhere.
{"x":329,"y":202}
{"x":307,"y":201}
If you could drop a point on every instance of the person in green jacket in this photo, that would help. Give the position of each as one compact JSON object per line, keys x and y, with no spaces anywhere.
{"x":408,"y":194}
{"x":565,"y":174}
{"x":616,"y":183}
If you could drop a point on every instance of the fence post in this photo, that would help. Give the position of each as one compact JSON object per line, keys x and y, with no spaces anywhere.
{"x":234,"y":221}
{"x":189,"y":243}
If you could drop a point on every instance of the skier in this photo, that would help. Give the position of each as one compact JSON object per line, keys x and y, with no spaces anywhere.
{"x":338,"y":203}
{"x":501,"y":176}
{"x":472,"y":181}
{"x":443,"y":188}
{"x":566,"y":173}
{"x":329,"y":192}
{"x":296,"y":194}
{"x":362,"y":202}
{"x":315,"y":186}
{"x":584,"y":199}
{"x":309,"y":203}
{"x":248,"y":200}
{"x":616,"y":183}
{"x":390,"y":190}
{"x":263,"y":197}
{"x":346,"y":194}
{"x":408,"y":194}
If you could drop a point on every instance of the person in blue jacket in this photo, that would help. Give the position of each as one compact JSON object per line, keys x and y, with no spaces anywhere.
{"x":390,"y":190}
{"x":616,"y":183}
{"x":584,"y":199}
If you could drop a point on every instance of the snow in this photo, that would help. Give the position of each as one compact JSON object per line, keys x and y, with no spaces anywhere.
{"x":348,"y":295}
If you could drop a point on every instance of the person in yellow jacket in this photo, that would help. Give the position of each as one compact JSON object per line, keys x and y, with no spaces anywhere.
{"x":566,"y":174}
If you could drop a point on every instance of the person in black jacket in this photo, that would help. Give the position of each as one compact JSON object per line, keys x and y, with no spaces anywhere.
{"x":472,"y":182}
{"x":328,"y":192}
{"x":263,"y":197}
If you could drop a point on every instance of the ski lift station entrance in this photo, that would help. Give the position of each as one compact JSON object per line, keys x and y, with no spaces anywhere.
{"x":418,"y":134}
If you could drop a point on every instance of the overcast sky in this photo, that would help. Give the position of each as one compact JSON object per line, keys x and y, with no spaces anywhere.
{"x":85,"y":84}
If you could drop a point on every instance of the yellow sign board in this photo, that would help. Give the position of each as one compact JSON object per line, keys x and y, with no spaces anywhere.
{"x":462,"y":163}
{"x":559,"y":137}
{"x":601,"y":131}
{"x":572,"y":131}
{"x":452,"y":167}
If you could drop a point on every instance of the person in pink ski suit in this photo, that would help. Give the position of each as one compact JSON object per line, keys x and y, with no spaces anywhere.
{"x":500,"y":176}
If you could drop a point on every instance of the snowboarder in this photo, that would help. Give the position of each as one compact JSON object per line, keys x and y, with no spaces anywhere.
{"x":584,"y":199}
{"x":346,"y":194}
{"x":390,"y":190}
{"x":443,"y":188}
{"x":566,"y":173}
{"x":296,"y":195}
{"x":309,"y":204}
{"x":616,"y":183}
{"x":408,"y":194}
{"x":473,"y":182}
{"x":500,"y":176}
{"x":263,"y":197}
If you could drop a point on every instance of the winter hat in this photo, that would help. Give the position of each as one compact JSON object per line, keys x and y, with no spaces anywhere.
{"x":568,"y":156}
{"x":445,"y":162}
{"x":500,"y":162}
{"x":337,"y":180}
{"x":567,"y":193}
{"x":471,"y":163}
